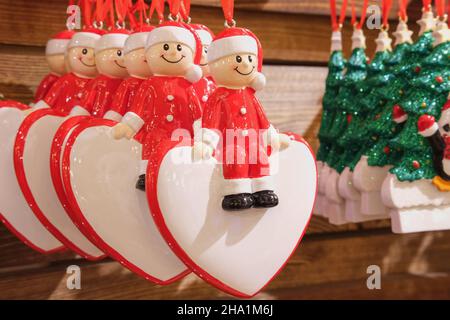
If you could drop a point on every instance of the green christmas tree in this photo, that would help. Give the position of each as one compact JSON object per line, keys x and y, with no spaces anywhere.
{"x":336,"y":65}
{"x":426,"y":95}
{"x":345,"y":102}
{"x":355,"y":135}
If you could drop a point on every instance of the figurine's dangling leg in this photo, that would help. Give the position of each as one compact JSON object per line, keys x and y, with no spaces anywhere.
{"x":140,"y":184}
{"x":238,"y":194}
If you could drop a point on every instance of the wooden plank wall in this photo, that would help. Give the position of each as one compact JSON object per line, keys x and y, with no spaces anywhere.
{"x":330,"y":263}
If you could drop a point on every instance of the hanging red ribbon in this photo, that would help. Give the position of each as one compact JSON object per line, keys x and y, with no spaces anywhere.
{"x":228,"y":10}
{"x":402,"y":4}
{"x":141,"y":8}
{"x":387,"y":4}
{"x":335,"y":24}
{"x":122,"y":8}
{"x":440,"y":7}
{"x":174,"y":8}
{"x":426,"y":5}
{"x":359,"y":25}
{"x":86,"y":6}
{"x":185,"y":10}
{"x":158,"y":6}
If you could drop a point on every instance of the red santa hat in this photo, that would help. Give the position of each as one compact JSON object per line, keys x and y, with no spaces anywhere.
{"x":137,"y":39}
{"x":113,"y":39}
{"x":204,"y":33}
{"x":427,"y":125}
{"x":86,"y":38}
{"x":172,"y":31}
{"x":235,"y":41}
{"x":59,"y":42}
{"x":398,"y":114}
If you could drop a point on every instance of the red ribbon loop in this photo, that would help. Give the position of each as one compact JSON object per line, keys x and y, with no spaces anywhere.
{"x":359,"y":25}
{"x":185,"y":10}
{"x":426,"y":5}
{"x":228,"y":10}
{"x":335,"y":24}
{"x":387,"y":4}
{"x":402,"y":4}
{"x":174,"y":8}
{"x":440,"y":7}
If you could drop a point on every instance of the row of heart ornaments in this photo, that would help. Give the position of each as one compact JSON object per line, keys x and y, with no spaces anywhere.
{"x":71,"y":180}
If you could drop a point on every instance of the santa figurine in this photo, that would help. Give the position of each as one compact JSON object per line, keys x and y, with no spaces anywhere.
{"x":234,"y":120}
{"x":55,"y":55}
{"x":67,"y":91}
{"x":166,"y":101}
{"x":205,"y":87}
{"x":438,"y":135}
{"x":109,"y":58}
{"x":138,"y":69}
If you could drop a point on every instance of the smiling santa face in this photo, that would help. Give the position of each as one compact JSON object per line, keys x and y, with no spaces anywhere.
{"x":110,"y":62}
{"x":169,"y":58}
{"x":238,"y":70}
{"x":82,"y":61}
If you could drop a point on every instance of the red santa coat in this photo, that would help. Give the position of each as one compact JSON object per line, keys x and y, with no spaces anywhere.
{"x":238,"y":118}
{"x":204,"y":88}
{"x":66,"y":92}
{"x":44,"y":86}
{"x":162,"y":105}
{"x":98,"y":96}
{"x":125,"y":94}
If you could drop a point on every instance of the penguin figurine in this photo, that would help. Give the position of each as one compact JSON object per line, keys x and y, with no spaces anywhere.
{"x":438,"y":135}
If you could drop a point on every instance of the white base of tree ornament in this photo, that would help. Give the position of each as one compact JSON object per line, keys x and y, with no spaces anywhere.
{"x":351,"y":195}
{"x":32,"y":157}
{"x":100,"y":175}
{"x":14,"y":209}
{"x":321,"y":203}
{"x":238,"y":252}
{"x":369,"y":180}
{"x":335,"y":207}
{"x":416,"y":206}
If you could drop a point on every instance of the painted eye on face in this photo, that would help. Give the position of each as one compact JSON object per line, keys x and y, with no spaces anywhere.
{"x":250,"y":59}
{"x":446,"y":127}
{"x":84,"y":51}
{"x":238,"y":59}
{"x":179,"y":48}
{"x":205,"y":50}
{"x":119,"y":53}
{"x":166,"y":47}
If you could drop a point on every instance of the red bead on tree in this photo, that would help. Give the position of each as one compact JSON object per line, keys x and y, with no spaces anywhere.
{"x":349,"y":118}
{"x":417,"y":69}
{"x":439,"y":79}
{"x":386,"y":150}
{"x":416,"y":164}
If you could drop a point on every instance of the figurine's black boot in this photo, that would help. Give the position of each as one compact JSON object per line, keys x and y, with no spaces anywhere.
{"x":240,"y":201}
{"x":140,"y":184}
{"x":265,"y":199}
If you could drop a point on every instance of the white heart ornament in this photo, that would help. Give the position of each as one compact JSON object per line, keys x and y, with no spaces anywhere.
{"x":15,"y":212}
{"x":32,"y":152}
{"x":99,"y":176}
{"x":237,"y":252}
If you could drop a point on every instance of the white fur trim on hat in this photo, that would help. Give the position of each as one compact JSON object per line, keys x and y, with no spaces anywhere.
{"x":429,"y":131}
{"x":205,"y":37}
{"x":84,"y":39}
{"x":168,"y":34}
{"x":194,"y":74}
{"x":401,"y":119}
{"x":135,"y":41}
{"x":231,"y":45}
{"x":111,"y":41}
{"x":113,"y":115}
{"x":133,"y":121}
{"x":56,"y":46}
{"x":259,"y":82}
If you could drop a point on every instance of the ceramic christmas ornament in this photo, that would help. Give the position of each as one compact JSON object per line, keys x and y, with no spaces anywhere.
{"x":35,"y":135}
{"x":341,"y":155}
{"x":383,"y":123}
{"x":336,"y":65}
{"x":354,"y":140}
{"x":112,"y":201}
{"x":235,"y":225}
{"x":415,"y":190}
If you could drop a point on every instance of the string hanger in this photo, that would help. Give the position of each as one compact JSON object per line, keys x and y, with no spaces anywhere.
{"x":402,"y":15}
{"x":174,"y":10}
{"x":440,"y":10}
{"x":228,"y":12}
{"x":158,"y":6}
{"x":102,"y":9}
{"x":141,"y":8}
{"x":336,"y":24}
{"x":355,"y":23}
{"x":185,"y":10}
{"x":387,"y":4}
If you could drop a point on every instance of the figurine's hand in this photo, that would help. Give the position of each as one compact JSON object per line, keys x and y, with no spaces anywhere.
{"x":427,"y":125}
{"x":285,"y":141}
{"x":122,"y":130}
{"x":201,"y":151}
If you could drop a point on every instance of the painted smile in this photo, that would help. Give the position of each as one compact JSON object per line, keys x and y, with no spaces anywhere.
{"x":203,"y":64}
{"x":87,"y":65}
{"x":115,"y":61}
{"x":244,"y":74}
{"x":182,"y":57}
